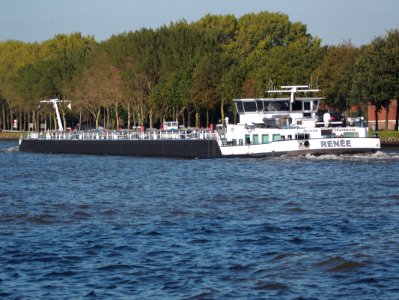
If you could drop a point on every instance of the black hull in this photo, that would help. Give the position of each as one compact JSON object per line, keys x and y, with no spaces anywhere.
{"x":152,"y":148}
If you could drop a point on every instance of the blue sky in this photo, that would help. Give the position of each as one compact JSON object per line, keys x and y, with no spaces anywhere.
{"x":334,"y":21}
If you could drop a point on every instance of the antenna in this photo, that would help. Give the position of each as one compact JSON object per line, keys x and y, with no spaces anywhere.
{"x":292,"y":89}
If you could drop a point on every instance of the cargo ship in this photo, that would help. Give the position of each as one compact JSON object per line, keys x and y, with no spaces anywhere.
{"x":288,"y":122}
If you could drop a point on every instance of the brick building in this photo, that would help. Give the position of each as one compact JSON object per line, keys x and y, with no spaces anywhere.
{"x":386,"y":118}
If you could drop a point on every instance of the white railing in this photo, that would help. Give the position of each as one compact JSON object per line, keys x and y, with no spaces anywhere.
{"x":202,"y":134}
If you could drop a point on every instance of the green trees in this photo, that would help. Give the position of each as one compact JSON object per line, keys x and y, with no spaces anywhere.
{"x":335,"y":76}
{"x":32,"y":72}
{"x":376,"y":76}
{"x":187,"y":72}
{"x":351,"y":76}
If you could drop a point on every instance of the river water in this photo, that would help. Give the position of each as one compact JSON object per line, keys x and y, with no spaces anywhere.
{"x":102,"y":227}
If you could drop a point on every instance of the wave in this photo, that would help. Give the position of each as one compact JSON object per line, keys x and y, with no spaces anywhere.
{"x":377,"y":156}
{"x":9,"y":149}
{"x":339,"y":264}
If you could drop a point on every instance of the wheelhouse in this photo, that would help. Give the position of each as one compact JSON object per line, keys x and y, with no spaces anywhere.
{"x":259,"y":110}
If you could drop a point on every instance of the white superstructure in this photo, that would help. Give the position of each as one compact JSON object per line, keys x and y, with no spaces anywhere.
{"x":288,"y":124}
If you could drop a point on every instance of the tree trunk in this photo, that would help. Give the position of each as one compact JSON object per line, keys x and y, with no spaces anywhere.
{"x":97,"y":117}
{"x":4,"y":116}
{"x":28,"y":121}
{"x":20,"y":121}
{"x":386,"y":117}
{"x":117,"y":115}
{"x":151,"y":118}
{"x":134,"y":119}
{"x":197,"y":119}
{"x":128,"y":116}
{"x":109,"y":123}
{"x":105,"y":120}
{"x":54,"y":118}
{"x":64,"y":120}
{"x":141,"y":118}
{"x":11,"y":118}
{"x":207,"y":118}
{"x":183,"y":118}
{"x":222,"y":110}
{"x":188,"y":117}
{"x":376,"y":118}
{"x":80,"y":119}
{"x":34,"y":121}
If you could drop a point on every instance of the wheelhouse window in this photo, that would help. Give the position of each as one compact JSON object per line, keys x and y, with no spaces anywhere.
{"x":239,"y":106}
{"x":297,"y":106}
{"x":250,"y":106}
{"x":259,"y":104}
{"x":276,"y":106}
{"x":265,"y":139}
{"x":282,"y":105}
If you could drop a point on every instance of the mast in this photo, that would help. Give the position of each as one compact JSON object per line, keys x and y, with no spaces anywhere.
{"x":57,"y":112}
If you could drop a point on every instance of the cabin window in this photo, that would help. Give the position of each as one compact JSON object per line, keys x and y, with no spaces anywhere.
{"x":247,"y":139}
{"x":276,"y":137}
{"x":290,"y":137}
{"x":239,"y":106}
{"x":349,"y":134}
{"x":265,"y":139}
{"x":326,"y":132}
{"x":259,"y":104}
{"x":255,"y":139}
{"x":250,"y":106}
{"x":302,"y":136}
{"x":306,"y":105}
{"x":234,"y":142}
{"x":240,"y":142}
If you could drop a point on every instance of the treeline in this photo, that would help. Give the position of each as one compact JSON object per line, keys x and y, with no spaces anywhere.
{"x":188,"y":72}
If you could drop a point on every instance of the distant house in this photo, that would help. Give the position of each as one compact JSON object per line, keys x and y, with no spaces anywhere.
{"x":386,"y":117}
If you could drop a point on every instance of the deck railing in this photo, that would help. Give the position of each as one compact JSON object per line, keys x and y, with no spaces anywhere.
{"x":152,"y":134}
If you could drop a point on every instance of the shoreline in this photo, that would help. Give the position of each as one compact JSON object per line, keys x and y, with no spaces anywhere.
{"x":9,"y":135}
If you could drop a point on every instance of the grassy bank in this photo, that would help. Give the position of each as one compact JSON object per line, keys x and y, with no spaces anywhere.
{"x":386,"y":134}
{"x":9,"y":135}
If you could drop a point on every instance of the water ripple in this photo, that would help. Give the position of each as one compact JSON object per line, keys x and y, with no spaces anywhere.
{"x":76,"y":227}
